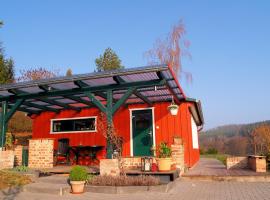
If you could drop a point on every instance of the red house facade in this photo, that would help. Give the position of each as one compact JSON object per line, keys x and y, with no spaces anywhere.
{"x":136,"y":100}
{"x":162,"y":126}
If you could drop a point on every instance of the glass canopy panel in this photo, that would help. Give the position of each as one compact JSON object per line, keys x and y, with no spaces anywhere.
{"x":140,"y":77}
{"x":5,"y":93}
{"x":63,"y":86}
{"x":65,"y":101}
{"x":100,"y":81}
{"x":79,"y":105}
{"x":56,"y":107}
{"x":31,"y":89}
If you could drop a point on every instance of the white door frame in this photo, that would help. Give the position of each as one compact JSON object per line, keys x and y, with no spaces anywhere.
{"x":131,"y":128}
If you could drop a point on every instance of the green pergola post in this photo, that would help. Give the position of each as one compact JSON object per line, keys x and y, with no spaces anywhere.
{"x":109,"y":113}
{"x":3,"y":124}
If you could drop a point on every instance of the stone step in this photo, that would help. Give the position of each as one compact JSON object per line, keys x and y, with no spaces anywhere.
{"x":54,"y":179}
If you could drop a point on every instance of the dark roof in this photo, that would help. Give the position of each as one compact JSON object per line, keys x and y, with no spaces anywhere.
{"x":196,"y":111}
{"x":153,"y":84}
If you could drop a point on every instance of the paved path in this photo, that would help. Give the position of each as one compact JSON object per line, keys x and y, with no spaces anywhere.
{"x":213,"y":167}
{"x":184,"y":190}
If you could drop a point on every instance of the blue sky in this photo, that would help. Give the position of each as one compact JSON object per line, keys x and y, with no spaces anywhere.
{"x":230,"y":44}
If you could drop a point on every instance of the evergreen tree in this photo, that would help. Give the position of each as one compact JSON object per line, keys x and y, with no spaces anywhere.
{"x":108,"y":61}
{"x":69,"y":72}
{"x":6,"y":66}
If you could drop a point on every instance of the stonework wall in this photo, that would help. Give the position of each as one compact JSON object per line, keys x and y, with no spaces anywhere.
{"x":237,"y":162}
{"x":257,"y":163}
{"x":131,"y":163}
{"x":178,"y":155}
{"x":41,"y":153}
{"x":109,"y":167}
{"x":6,"y":159}
{"x":18,"y":155}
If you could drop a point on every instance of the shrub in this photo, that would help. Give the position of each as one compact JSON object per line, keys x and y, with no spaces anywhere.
{"x":212,"y":151}
{"x":21,"y":168}
{"x":164,"y":151}
{"x":106,"y":180}
{"x":78,"y":173}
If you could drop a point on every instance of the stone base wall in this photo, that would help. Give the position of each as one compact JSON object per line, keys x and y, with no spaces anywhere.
{"x":109,"y":167}
{"x":131,"y":163}
{"x":6,"y":159}
{"x":257,"y":163}
{"x":41,"y":153}
{"x":237,"y":162}
{"x":18,"y":155}
{"x":178,"y":155}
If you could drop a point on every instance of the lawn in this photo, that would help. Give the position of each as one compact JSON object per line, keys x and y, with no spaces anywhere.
{"x":10,"y":178}
{"x":220,"y":157}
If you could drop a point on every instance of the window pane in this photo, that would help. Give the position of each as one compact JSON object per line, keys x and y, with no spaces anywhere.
{"x":86,"y":124}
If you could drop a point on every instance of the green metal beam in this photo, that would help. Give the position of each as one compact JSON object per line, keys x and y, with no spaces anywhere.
{"x":161,"y":76}
{"x":123,"y":99}
{"x":74,"y":98}
{"x":42,"y":107}
{"x":3,"y":124}
{"x":95,"y":101}
{"x":138,"y":84}
{"x":54,"y":102}
{"x":118,"y":79}
{"x":109,"y":113}
{"x":145,"y":99}
{"x":82,"y":84}
{"x":13,"y":109}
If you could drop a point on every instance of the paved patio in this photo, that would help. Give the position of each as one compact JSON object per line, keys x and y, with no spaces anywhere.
{"x":184,"y":190}
{"x":213,"y":167}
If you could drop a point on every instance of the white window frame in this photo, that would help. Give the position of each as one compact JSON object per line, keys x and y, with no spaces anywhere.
{"x":73,"y":118}
{"x":194,"y":134}
{"x":131,"y":128}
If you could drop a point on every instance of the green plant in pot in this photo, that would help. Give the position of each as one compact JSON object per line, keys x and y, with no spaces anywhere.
{"x":78,"y":176}
{"x":164,"y":157}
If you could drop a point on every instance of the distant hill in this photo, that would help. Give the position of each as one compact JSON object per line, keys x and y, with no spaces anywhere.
{"x":234,"y":139}
{"x":232,"y":129}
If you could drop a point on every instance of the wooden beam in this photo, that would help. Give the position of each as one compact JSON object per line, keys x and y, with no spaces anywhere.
{"x":63,"y":105}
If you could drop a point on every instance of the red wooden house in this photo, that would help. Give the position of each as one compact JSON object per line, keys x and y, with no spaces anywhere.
{"x":136,"y":100}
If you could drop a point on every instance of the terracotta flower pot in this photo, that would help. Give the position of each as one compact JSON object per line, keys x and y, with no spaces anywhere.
{"x":77,"y":187}
{"x":164,"y":164}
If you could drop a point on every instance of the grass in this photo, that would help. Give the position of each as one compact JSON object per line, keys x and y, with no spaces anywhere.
{"x":220,"y":157}
{"x":11,"y":179}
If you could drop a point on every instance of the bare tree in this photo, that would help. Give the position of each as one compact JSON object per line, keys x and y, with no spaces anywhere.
{"x":261,"y":139}
{"x":36,"y":74}
{"x":112,"y":135}
{"x":171,"y":49}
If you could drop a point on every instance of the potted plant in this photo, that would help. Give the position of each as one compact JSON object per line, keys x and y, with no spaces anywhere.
{"x":173,"y":108}
{"x":164,"y":157}
{"x":78,"y":175}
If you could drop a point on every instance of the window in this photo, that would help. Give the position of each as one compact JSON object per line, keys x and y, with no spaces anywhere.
{"x":195,"y":143}
{"x":86,"y":124}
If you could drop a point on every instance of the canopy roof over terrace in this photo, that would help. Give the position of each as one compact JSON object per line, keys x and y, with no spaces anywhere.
{"x":106,"y":90}
{"x":135,"y":85}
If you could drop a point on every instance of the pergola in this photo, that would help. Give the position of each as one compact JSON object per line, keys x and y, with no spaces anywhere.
{"x":107,"y":90}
